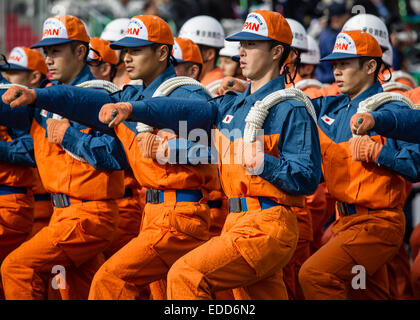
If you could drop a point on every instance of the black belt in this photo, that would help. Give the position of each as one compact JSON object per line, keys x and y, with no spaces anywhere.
{"x":345,"y":209}
{"x":42,"y":197}
{"x":128,"y":193}
{"x":215,"y":204}
{"x":239,"y":204}
{"x":157,"y":196}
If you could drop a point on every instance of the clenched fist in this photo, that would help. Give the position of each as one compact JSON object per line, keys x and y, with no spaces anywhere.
{"x":113,"y":114}
{"x":17,"y":96}
{"x":360,"y":123}
{"x":231,"y":84}
{"x":56,"y":130}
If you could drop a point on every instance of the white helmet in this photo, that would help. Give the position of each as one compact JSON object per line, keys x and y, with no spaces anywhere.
{"x":300,"y":40}
{"x":387,"y":55}
{"x":230,"y":49}
{"x":313,"y":55}
{"x":370,"y":24}
{"x":115,"y":29}
{"x":204,"y":30}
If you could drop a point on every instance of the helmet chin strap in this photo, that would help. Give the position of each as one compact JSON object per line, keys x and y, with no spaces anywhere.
{"x":287,"y":75}
{"x":390,"y":73}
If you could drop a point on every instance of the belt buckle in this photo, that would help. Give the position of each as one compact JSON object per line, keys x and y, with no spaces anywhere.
{"x":60,"y":200}
{"x":153,"y":196}
{"x":235,"y":205}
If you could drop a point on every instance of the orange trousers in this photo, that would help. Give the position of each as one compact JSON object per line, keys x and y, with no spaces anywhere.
{"x":217,"y":220}
{"x":16,"y":220}
{"x":43,"y":211}
{"x":365,"y":239}
{"x":415,"y":267}
{"x":169,"y":230}
{"x":302,"y":252}
{"x":74,"y":239}
{"x":247,"y":257}
{"x":129,"y":221}
{"x":399,"y":275}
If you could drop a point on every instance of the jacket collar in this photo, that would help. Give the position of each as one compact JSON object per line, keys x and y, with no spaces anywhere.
{"x":271,"y":86}
{"x":168,"y":73}
{"x":84,"y":75}
{"x":375,"y":88}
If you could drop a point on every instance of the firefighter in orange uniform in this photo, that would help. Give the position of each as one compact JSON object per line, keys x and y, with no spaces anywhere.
{"x":102,"y":61}
{"x":176,"y":209}
{"x":79,"y":166}
{"x":27,"y":67}
{"x":370,"y":227}
{"x":260,"y":233}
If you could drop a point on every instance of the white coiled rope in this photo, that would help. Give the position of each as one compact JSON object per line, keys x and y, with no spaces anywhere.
{"x":5,"y":86}
{"x":259,"y":111}
{"x":375,"y":101}
{"x":306,"y":83}
{"x":92,"y":84}
{"x":399,"y":74}
{"x":165,"y":89}
{"x":393,"y":85}
{"x":213,"y":87}
{"x":100,"y":84}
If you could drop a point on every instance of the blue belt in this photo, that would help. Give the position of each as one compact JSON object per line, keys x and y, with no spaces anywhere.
{"x":11,"y":190}
{"x":215,"y":204}
{"x":128,"y":193}
{"x":239,"y":204}
{"x":157,"y":196}
{"x":42,"y":197}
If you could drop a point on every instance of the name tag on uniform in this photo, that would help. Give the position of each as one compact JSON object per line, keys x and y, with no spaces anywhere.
{"x":327,"y":119}
{"x":228,"y":119}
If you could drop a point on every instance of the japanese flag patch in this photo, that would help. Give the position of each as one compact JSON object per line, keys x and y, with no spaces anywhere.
{"x":327,"y":119}
{"x":44,"y":113}
{"x":228,"y":119}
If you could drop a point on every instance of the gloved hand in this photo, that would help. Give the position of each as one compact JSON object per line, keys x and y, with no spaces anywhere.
{"x":17,"y":96}
{"x":252,"y":155}
{"x":149,"y":144}
{"x":115,"y":113}
{"x":364,"y":149}
{"x":360,"y":127}
{"x":231,"y":84}
{"x":56,"y":130}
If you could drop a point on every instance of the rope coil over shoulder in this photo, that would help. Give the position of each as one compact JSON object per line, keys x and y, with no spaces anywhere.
{"x":92,"y":84}
{"x":393,"y":85}
{"x":375,"y":101}
{"x":303,"y":84}
{"x":212,"y":87}
{"x":260,"y":110}
{"x":5,"y":86}
{"x":165,"y":89}
{"x":399,"y":74}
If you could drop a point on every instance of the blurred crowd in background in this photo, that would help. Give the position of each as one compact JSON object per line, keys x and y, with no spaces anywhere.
{"x":21,"y":20}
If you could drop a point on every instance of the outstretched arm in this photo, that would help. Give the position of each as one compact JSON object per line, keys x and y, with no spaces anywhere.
{"x":177,"y":114}
{"x":78,"y":104}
